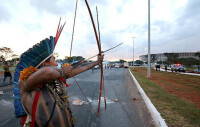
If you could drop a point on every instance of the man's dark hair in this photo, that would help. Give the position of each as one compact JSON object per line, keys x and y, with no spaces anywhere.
{"x":48,"y":60}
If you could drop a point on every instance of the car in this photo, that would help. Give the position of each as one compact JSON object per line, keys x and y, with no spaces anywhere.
{"x":178,"y":67}
{"x":117,"y":65}
{"x":126,"y":65}
{"x":96,"y":67}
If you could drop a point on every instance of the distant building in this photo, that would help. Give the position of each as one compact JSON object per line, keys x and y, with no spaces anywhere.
{"x":162,"y":57}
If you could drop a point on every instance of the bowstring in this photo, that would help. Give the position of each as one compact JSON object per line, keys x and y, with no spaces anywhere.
{"x":70,"y":58}
{"x":100,"y":47}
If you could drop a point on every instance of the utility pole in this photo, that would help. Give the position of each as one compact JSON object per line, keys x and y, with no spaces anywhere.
{"x":149,"y":62}
{"x":133,"y":51}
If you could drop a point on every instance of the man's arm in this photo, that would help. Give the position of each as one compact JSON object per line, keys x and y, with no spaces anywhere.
{"x":49,"y":73}
{"x":79,"y":70}
{"x":43,"y":75}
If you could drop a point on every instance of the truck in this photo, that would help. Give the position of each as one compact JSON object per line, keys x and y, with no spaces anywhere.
{"x":126,"y":65}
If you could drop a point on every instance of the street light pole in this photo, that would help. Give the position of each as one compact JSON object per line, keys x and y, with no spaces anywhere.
{"x":133,"y":51}
{"x":149,"y":63}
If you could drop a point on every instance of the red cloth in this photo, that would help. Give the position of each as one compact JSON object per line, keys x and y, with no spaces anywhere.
{"x":34,"y":107}
{"x":62,"y":79}
{"x":36,"y":100}
{"x":23,"y":120}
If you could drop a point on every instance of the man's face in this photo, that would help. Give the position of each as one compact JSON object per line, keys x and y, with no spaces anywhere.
{"x":52,"y":62}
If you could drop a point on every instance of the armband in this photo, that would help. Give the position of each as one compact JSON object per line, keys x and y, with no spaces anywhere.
{"x":61,"y":72}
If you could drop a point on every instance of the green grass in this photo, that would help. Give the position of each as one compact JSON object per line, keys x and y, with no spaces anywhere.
{"x":176,"y":111}
{"x":191,"y":68}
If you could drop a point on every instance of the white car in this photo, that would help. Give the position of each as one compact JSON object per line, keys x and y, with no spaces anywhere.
{"x":126,"y":65}
{"x":96,"y":67}
{"x":117,"y":65}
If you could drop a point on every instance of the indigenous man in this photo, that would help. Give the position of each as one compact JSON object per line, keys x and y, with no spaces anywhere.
{"x":40,"y":95}
{"x":7,"y":73}
{"x":49,"y":112}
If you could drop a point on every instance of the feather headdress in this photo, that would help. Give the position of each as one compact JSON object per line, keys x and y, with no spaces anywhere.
{"x":32,"y":59}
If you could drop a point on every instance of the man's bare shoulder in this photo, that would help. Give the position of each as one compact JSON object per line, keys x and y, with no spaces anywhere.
{"x":22,"y":87}
{"x":20,"y":83}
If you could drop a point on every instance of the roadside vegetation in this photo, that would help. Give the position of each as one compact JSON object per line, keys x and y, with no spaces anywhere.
{"x":175,"y":96}
{"x":191,"y":68}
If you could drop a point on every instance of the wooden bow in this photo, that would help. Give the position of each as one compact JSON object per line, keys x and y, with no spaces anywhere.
{"x":100,"y":53}
{"x":70,"y":57}
{"x":99,"y":47}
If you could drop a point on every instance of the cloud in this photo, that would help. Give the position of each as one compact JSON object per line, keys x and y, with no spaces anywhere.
{"x":4,"y":14}
{"x":191,"y":10}
{"x":56,"y":7}
{"x":180,"y":33}
{"x":174,"y":26}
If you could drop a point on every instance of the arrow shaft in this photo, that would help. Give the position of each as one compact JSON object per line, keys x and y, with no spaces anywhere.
{"x":96,"y":55}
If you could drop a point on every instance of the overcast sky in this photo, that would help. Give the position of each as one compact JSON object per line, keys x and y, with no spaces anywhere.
{"x":175,"y":26}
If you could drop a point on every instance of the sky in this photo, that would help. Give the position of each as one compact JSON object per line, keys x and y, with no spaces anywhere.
{"x":175,"y":26}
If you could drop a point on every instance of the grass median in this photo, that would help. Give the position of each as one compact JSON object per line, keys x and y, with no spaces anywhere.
{"x":172,"y":95}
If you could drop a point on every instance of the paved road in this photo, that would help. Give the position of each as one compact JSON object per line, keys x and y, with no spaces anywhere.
{"x":7,"y":82}
{"x":118,"y":84}
{"x":7,"y":118}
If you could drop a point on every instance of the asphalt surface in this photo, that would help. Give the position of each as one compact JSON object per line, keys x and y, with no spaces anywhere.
{"x":7,"y":82}
{"x":130,"y":111}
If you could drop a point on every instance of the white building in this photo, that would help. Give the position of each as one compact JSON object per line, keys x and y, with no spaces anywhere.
{"x":162,"y":57}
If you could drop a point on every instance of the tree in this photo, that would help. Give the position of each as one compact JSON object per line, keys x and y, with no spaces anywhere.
{"x":197,"y":54}
{"x":153,"y":58}
{"x":6,"y":53}
{"x":73,"y":59}
{"x":171,"y":57}
{"x":146,"y":58}
{"x":122,"y":61}
{"x":2,"y":58}
{"x":189,"y":61}
{"x":139,"y":62}
{"x":14,"y":58}
{"x":79,"y":58}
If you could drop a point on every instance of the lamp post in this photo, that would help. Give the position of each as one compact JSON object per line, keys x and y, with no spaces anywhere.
{"x":133,"y":51}
{"x":149,"y":63}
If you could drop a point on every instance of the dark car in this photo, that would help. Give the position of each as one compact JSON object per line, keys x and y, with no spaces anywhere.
{"x":178,"y":67}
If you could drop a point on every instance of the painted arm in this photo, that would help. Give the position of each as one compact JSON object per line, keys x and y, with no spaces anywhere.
{"x":79,"y":70}
{"x":48,"y":74}
{"x":43,"y":75}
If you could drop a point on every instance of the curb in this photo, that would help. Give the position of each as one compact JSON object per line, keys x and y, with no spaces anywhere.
{"x":159,"y":121}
